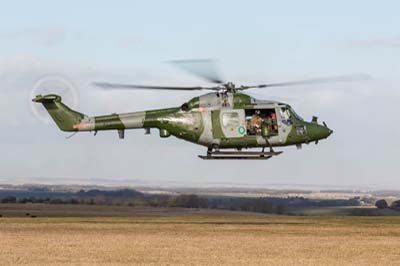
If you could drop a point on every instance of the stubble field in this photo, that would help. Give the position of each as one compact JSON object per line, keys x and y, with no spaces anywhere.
{"x":190,"y":237}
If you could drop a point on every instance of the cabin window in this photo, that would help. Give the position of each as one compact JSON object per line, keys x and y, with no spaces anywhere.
{"x":230,"y":119}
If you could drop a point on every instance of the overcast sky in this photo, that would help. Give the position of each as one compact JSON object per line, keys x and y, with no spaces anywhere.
{"x":254,"y":41}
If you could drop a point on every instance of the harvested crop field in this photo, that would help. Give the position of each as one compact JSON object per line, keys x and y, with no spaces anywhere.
{"x":189,"y":237}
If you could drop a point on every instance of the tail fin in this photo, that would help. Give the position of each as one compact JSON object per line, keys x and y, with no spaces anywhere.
{"x":64,"y":117}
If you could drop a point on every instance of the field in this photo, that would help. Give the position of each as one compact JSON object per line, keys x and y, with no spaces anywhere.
{"x":101,"y":235}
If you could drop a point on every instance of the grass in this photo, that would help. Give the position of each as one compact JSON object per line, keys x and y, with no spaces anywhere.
{"x":142,"y":236}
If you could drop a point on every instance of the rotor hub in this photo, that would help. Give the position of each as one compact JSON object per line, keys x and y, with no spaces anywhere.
{"x":230,"y":87}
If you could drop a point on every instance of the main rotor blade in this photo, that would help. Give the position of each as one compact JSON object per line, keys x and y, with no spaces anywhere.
{"x":344,"y":78}
{"x":204,"y":68}
{"x":106,"y":85}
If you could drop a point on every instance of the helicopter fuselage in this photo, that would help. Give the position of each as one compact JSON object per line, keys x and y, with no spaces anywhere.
{"x":215,"y":120}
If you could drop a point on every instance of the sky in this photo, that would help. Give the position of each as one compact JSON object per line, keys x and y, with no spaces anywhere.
{"x":252,"y":41}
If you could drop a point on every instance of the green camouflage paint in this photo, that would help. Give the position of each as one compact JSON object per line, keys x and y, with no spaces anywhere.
{"x":63,"y":116}
{"x":197,"y":121}
{"x":108,"y":122}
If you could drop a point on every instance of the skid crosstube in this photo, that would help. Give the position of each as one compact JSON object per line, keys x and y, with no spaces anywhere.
{"x":239,"y":155}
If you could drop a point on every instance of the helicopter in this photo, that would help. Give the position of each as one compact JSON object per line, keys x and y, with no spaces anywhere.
{"x":226,"y":121}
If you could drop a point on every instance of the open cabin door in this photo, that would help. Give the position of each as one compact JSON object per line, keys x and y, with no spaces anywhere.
{"x":261,"y":122}
{"x":228,"y":123}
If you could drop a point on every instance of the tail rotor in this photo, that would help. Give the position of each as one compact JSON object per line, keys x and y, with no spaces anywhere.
{"x":52,"y":84}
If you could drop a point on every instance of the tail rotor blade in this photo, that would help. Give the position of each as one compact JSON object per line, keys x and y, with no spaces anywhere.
{"x":53,"y":84}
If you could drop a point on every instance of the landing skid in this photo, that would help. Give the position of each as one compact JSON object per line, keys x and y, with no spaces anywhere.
{"x":239,"y":155}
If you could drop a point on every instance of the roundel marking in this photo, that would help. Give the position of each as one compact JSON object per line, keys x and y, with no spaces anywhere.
{"x":241,"y":130}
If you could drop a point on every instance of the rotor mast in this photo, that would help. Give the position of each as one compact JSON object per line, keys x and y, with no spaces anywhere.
{"x":229,"y":87}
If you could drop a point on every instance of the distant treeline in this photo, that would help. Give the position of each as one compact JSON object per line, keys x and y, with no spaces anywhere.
{"x":130,"y":197}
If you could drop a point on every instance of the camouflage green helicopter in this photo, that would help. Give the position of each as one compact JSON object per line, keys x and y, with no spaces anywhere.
{"x":226,"y":121}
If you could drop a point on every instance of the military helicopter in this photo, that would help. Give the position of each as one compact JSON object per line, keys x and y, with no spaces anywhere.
{"x":226,"y":121}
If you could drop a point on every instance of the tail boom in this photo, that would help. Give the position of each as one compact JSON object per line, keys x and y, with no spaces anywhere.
{"x":70,"y":120}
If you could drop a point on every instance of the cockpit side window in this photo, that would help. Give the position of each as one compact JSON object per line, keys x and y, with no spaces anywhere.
{"x":296,"y":115}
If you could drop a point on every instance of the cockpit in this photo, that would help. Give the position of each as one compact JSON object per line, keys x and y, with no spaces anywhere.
{"x":288,"y":115}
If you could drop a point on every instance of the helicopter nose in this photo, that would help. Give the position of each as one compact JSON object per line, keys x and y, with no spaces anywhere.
{"x":325,"y":132}
{"x":320,"y":132}
{"x":328,"y":132}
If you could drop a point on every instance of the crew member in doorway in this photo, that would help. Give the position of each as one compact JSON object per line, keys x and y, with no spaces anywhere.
{"x":256,"y":123}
